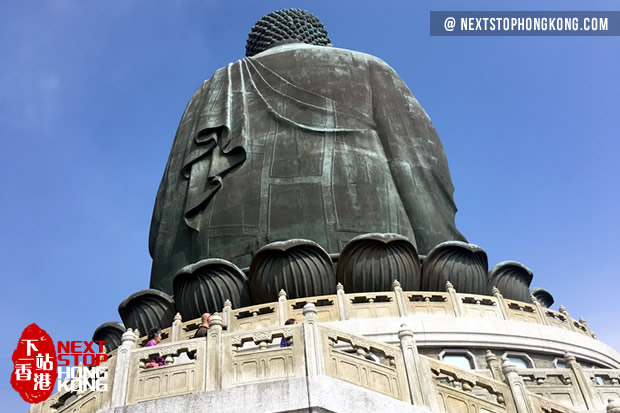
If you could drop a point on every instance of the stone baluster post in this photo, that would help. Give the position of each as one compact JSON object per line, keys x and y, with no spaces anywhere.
{"x":421,"y":386}
{"x":227,"y":314}
{"x":121,"y":371}
{"x":494,"y":365}
{"x":312,"y":341}
{"x":569,"y":320}
{"x":520,"y":394}
{"x":582,"y":321}
{"x":582,"y":382}
{"x":540,"y":309}
{"x":400,"y":298}
{"x":282,"y":313}
{"x":213,"y":379}
{"x":613,"y":406}
{"x":454,"y":299}
{"x":342,"y":303}
{"x":500,"y":302}
{"x":176,"y":328}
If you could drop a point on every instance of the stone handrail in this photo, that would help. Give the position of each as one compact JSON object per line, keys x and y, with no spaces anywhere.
{"x":560,"y":385}
{"x":458,"y":388}
{"x":226,"y":359}
{"x":544,"y":405}
{"x":366,"y":363}
{"x":394,"y":303}
{"x":605,"y":384}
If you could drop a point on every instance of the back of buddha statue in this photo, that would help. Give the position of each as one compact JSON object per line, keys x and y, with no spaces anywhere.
{"x":299,"y":141}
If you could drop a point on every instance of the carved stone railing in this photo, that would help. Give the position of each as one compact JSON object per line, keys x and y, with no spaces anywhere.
{"x":245,"y":357}
{"x":525,"y":312}
{"x":257,"y":356}
{"x":182,"y":374}
{"x":605,"y":384}
{"x":342,"y":306}
{"x":558,"y":385}
{"x":557,"y":319}
{"x":480,"y":306}
{"x":428,"y":303}
{"x":465,"y":391}
{"x":257,"y":316}
{"x":370,"y":305}
{"x":327,"y":308}
{"x":543,"y":405}
{"x":85,"y":401}
{"x":365,"y":363}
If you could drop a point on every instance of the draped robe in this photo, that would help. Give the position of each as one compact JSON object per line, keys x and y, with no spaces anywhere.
{"x":304,"y":142}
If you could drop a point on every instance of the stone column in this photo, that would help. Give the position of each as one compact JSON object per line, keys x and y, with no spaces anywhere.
{"x":520,"y":395}
{"x":582,"y":382}
{"x":421,"y":386}
{"x":176,"y":328}
{"x":400,"y":298}
{"x":342,"y":303}
{"x":213,"y":379}
{"x":282,"y":313}
{"x":500,"y":301}
{"x":312,"y":341}
{"x":227,"y":314}
{"x":121,"y":371}
{"x":454,"y":299}
{"x":541,"y":311}
{"x":494,"y":365}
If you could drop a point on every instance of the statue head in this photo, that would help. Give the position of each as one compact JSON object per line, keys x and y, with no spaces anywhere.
{"x":286,"y":25}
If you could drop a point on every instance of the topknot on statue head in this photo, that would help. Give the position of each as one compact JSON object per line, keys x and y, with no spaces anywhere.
{"x":283,"y":26}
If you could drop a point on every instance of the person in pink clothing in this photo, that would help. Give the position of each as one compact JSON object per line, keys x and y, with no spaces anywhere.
{"x":154,"y":339}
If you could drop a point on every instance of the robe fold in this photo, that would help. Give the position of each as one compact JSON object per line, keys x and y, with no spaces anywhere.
{"x":304,"y":142}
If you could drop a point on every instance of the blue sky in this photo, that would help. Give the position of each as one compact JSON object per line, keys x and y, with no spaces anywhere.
{"x":92,"y":93}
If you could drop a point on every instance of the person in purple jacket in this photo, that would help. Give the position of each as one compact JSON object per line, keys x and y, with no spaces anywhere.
{"x":154,"y":339}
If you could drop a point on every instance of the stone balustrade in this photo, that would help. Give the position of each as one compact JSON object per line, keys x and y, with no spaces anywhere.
{"x":243,"y":348}
{"x":226,"y":359}
{"x":395,"y":303}
{"x":605,"y":384}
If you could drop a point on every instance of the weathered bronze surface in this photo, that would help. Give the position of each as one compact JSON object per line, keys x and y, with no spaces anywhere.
{"x":299,"y":141}
{"x":371,"y":262}
{"x":300,"y":267}
{"x":205,"y":286}
{"x":513,"y":280}
{"x":465,"y":265}
{"x":146,"y":309}
{"x":110,"y":332}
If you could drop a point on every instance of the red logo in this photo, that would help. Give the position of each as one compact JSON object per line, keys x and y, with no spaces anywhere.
{"x":34,"y":365}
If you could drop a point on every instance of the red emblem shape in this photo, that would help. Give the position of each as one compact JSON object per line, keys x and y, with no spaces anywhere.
{"x":34,"y":365}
